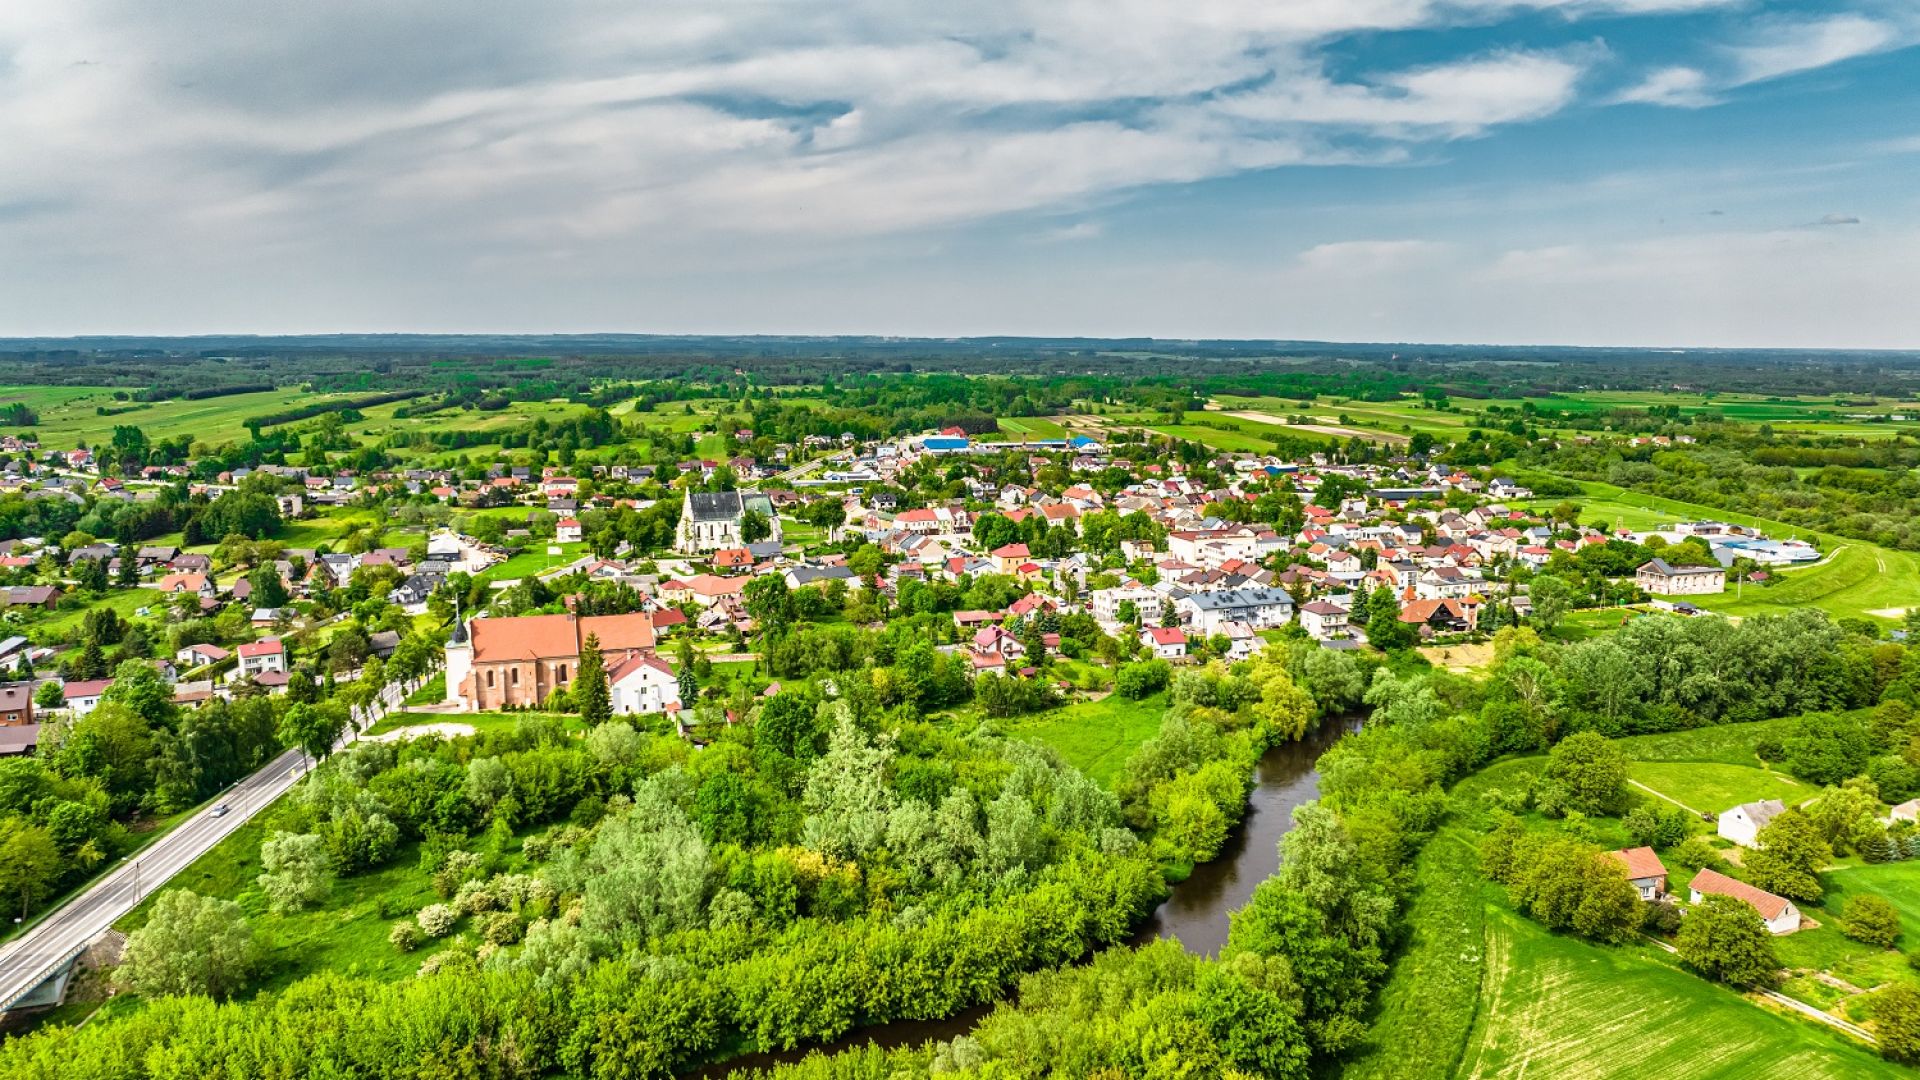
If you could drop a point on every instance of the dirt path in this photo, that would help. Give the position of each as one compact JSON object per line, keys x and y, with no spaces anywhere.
{"x":1663,"y":795}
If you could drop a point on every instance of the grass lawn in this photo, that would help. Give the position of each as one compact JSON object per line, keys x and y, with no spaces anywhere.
{"x":124,"y":601}
{"x":431,"y":692}
{"x":1898,"y":883}
{"x":1710,"y":787}
{"x":1428,"y":1005}
{"x":480,"y":721}
{"x":1097,"y":736}
{"x":1556,"y":1006}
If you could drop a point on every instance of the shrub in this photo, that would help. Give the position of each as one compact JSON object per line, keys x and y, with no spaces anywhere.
{"x":1142,"y":679}
{"x":1696,"y":853}
{"x":501,"y":928}
{"x":405,"y":936}
{"x":438,"y":920}
{"x":1872,"y":920}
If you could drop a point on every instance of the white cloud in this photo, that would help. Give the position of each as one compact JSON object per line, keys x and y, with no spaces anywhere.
{"x":1681,"y":87}
{"x":1446,"y":100}
{"x":1362,"y":258}
{"x":1786,"y":48}
{"x":1079,"y":230}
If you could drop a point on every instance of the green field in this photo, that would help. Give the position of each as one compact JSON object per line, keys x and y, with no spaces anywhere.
{"x":1544,"y":1005}
{"x":1030,"y":428}
{"x":1555,"y":1006}
{"x":1730,"y":744}
{"x":68,"y":414}
{"x":1711,"y":788}
{"x":1097,"y":736}
{"x":1216,"y":438}
{"x":1427,"y":1007}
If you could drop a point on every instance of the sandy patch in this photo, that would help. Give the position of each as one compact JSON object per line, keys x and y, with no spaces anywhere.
{"x":416,"y":731}
{"x":1890,"y":612}
{"x":1458,"y":658}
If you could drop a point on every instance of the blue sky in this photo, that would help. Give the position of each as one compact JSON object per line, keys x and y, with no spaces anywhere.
{"x":1658,"y":172}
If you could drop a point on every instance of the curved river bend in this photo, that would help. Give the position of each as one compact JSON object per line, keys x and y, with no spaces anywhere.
{"x":1196,"y":913}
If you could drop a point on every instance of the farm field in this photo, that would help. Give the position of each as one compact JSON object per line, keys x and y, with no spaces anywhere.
{"x":68,"y":417}
{"x":1030,"y":427}
{"x":1097,"y":736}
{"x":1556,"y":1006}
{"x":1400,"y":419}
{"x":1217,"y":438}
{"x":1538,"y":1003}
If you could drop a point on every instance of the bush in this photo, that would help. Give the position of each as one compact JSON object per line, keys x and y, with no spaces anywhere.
{"x":1872,"y":920}
{"x":501,"y":928}
{"x":1697,"y":853}
{"x":1142,"y":679}
{"x":405,"y":936}
{"x":1663,"y":917}
{"x":438,"y":920}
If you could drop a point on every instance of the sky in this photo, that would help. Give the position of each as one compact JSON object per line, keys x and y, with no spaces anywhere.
{"x":1605,"y":172}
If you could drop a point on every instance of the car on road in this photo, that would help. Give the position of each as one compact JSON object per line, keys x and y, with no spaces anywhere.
{"x":220,"y":810}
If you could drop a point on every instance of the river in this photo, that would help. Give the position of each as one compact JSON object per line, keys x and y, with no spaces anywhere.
{"x":1196,"y":912}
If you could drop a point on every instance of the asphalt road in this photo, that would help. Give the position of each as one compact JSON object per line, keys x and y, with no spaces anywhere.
{"x":27,"y":960}
{"x":30,"y":958}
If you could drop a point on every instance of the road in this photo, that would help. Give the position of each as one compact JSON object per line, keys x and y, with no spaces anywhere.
{"x":27,"y":960}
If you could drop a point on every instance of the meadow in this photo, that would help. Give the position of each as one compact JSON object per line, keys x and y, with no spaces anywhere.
{"x":1096,"y":737}
{"x":1709,"y":788}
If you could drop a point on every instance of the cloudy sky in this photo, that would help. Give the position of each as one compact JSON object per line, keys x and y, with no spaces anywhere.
{"x":1661,"y":172}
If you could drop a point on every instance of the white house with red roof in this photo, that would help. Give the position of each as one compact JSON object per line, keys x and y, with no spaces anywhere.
{"x":83,"y":695}
{"x":641,"y":682}
{"x":1165,"y":642}
{"x":1777,"y":912}
{"x":259,"y":657}
{"x":1645,"y":870}
{"x":567,"y":531}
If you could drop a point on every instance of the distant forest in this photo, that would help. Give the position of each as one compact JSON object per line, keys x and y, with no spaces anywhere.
{"x":575,"y":365}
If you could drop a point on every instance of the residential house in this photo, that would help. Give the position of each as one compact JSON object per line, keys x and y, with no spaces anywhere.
{"x":1208,"y":612}
{"x":83,"y":695}
{"x":1778,"y":912}
{"x":641,"y":682}
{"x":1743,"y":823}
{"x":1439,"y":616}
{"x":19,"y":734}
{"x":1322,"y":620}
{"x":1658,"y":578}
{"x":40,"y":596}
{"x":1644,"y":870}
{"x":1165,"y":642}
{"x":268,"y":655}
{"x":194,"y":656}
